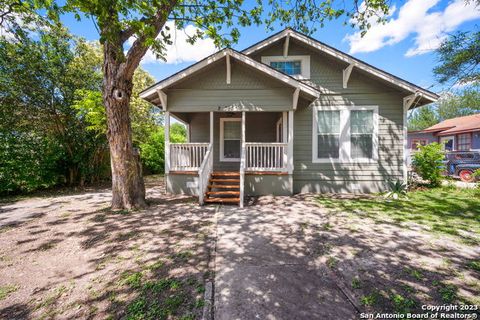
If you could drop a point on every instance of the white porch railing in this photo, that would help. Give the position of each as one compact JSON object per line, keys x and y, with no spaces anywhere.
{"x":187,"y":156}
{"x":204,"y":172}
{"x":266,"y":156}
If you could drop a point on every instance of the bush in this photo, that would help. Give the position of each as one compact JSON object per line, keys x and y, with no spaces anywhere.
{"x":27,"y":162}
{"x":428,"y":163}
{"x":153,"y":150}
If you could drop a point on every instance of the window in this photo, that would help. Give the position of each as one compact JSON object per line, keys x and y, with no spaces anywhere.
{"x":230,"y":136}
{"x":447,"y":143}
{"x":464,"y":142}
{"x":361,"y":134}
{"x":345,"y":134}
{"x":417,"y":142}
{"x":292,"y":68}
{"x":295,"y":66}
{"x":328,"y":134}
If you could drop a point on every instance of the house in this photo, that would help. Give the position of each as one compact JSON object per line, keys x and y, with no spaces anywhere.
{"x":289,"y":114}
{"x":457,"y":134}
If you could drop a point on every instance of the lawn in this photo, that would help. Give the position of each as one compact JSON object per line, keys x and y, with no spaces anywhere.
{"x":397,"y":255}
{"x":445,"y":211}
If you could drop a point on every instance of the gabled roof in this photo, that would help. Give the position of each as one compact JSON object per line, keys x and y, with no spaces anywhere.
{"x":456,"y":125}
{"x":337,"y":54}
{"x":286,"y":79}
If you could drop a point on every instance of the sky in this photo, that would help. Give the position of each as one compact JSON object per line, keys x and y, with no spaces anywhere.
{"x":404,"y":46}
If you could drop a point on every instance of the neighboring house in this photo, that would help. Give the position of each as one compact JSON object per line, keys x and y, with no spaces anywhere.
{"x":287,"y":115}
{"x":457,"y":134}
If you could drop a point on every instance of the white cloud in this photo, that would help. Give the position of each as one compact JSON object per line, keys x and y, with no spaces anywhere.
{"x":180,"y":50}
{"x":415,"y":18}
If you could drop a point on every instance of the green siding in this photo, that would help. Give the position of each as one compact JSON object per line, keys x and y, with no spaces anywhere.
{"x":326,"y":75}
{"x":249,"y":90}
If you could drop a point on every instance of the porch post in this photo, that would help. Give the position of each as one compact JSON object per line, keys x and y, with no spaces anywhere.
{"x":211,"y":127}
{"x":284,"y":137}
{"x":167,"y":142}
{"x":242,"y":161}
{"x":290,"y":142}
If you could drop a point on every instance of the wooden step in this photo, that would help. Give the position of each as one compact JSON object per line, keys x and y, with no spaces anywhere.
{"x":226,"y":174}
{"x":223,"y":186}
{"x":225,"y":180}
{"x":225,"y":193}
{"x":223,"y":200}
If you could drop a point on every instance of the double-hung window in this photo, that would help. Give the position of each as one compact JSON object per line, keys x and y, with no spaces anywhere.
{"x":345,"y":134}
{"x":328,"y":134}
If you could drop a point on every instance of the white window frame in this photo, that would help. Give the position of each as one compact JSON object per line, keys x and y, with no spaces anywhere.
{"x":222,"y":126}
{"x":445,"y":138}
{"x":304,"y":61}
{"x":345,"y":135}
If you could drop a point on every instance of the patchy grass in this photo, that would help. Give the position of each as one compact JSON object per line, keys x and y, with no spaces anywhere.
{"x":163,"y":299}
{"x":356,"y":283}
{"x":5,"y":291}
{"x":402,"y":304}
{"x":370,"y":300}
{"x":474,"y":265}
{"x":444,"y":210}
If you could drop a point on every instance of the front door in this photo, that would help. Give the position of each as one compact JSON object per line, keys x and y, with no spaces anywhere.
{"x":230,"y":139}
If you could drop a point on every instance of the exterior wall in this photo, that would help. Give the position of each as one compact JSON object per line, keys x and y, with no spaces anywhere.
{"x":258,"y":185}
{"x":326,"y":75}
{"x":476,"y":140}
{"x":182,"y":184}
{"x":350,"y":177}
{"x":249,"y":89}
{"x":421,"y":135}
{"x":259,"y":127}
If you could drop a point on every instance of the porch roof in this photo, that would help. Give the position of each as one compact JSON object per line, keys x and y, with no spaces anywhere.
{"x":152,"y":93}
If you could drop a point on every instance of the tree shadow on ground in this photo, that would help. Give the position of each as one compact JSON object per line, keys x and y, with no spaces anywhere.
{"x":150,"y":263}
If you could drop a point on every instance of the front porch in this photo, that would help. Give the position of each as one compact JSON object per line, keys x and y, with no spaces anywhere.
{"x":255,"y":148}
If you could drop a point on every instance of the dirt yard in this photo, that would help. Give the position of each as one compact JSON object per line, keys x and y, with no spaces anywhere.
{"x":70,"y":257}
{"x":67,"y":256}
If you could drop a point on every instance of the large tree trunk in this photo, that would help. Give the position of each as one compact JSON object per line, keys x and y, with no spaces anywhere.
{"x":128,"y":189}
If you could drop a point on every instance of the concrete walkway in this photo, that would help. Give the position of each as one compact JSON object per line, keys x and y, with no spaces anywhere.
{"x":267,"y":268}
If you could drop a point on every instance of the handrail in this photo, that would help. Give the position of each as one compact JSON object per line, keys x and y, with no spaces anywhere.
{"x":204,"y":173}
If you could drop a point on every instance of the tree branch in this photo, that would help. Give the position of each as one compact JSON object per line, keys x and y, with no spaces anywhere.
{"x":138,"y":48}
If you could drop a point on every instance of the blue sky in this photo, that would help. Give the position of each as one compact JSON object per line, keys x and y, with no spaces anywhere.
{"x":403,"y":47}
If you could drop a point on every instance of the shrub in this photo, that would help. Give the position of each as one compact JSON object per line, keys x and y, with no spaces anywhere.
{"x":428,"y":163}
{"x":27,"y":162}
{"x":153,"y":150}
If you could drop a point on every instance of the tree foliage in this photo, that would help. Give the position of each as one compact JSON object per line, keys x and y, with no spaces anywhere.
{"x":52,"y":124}
{"x":452,"y":104}
{"x":153,"y":148}
{"x":459,"y":57}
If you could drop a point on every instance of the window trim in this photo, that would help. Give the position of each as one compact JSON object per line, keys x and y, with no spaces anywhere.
{"x":222,"y":140}
{"x":441,"y":140}
{"x":345,"y":136}
{"x":304,"y":60}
